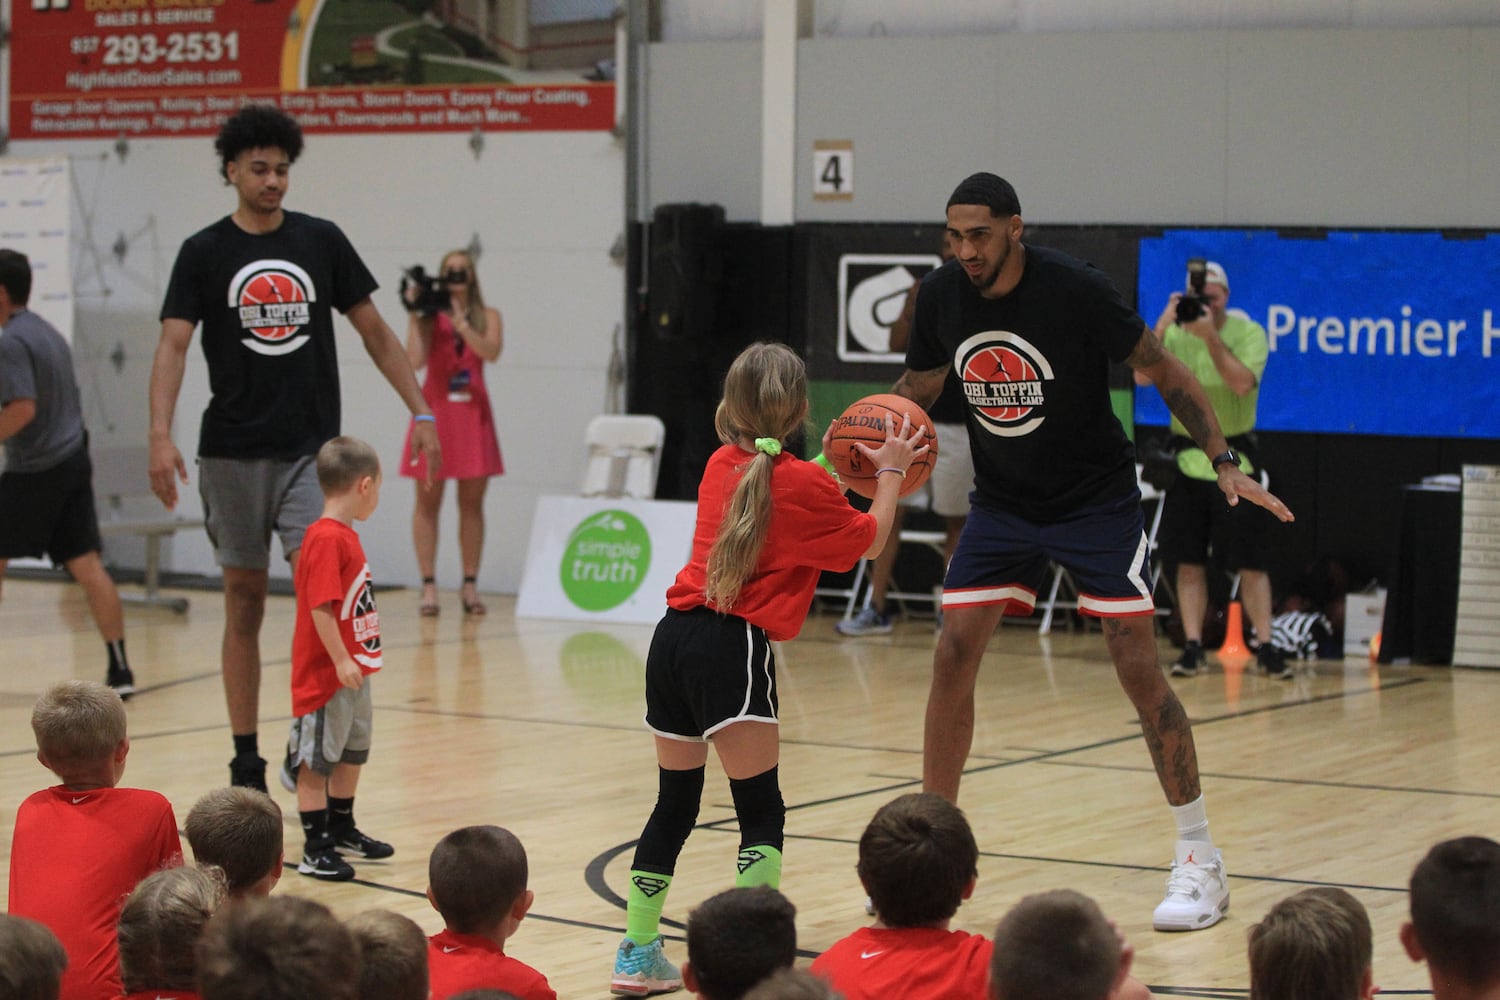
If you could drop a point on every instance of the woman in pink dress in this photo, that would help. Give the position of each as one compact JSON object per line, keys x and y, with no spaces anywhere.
{"x":453,"y":344}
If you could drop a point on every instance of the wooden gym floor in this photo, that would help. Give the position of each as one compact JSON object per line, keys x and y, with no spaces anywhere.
{"x":1344,"y":776}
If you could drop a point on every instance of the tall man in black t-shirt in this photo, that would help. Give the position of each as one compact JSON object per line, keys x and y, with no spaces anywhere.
{"x":1031,"y":333}
{"x":264,"y":283}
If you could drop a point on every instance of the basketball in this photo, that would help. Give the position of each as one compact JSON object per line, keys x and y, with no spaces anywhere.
{"x":864,"y":421}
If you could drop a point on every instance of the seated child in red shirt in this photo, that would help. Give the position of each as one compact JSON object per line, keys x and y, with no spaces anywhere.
{"x":81,"y":846}
{"x":918,"y":861}
{"x":476,"y":878}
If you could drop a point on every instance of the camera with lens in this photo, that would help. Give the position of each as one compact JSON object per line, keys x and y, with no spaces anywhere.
{"x":431,"y":296}
{"x":1193,"y":303}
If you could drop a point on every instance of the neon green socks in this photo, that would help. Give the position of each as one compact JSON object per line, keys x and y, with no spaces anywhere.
{"x":643,"y":905}
{"x":759,"y":864}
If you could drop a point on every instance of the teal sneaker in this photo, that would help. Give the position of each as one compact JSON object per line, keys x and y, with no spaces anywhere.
{"x":642,"y":969}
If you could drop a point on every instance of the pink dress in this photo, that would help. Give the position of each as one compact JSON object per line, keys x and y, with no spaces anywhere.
{"x":454,"y":390}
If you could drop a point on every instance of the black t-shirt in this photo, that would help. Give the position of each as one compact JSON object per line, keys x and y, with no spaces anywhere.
{"x":1035,"y":371}
{"x":266,"y":303}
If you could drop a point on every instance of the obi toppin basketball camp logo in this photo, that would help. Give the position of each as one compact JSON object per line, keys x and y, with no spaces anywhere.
{"x":1005,"y":381}
{"x":274,"y":299}
{"x":359,"y":611}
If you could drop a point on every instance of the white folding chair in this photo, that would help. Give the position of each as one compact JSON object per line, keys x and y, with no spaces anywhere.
{"x":624,"y":454}
{"x":935,"y":540}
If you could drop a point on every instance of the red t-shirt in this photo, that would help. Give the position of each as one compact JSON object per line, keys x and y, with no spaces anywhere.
{"x":917,"y":963}
{"x":74,"y":858}
{"x":459,"y":962}
{"x":332,"y":569}
{"x":813,"y":528}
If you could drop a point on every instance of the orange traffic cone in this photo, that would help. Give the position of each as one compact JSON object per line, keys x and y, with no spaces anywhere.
{"x":1234,"y":634}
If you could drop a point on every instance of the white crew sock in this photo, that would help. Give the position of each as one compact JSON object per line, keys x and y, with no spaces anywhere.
{"x":1192,"y":821}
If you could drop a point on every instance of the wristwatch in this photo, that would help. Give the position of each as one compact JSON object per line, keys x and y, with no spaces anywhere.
{"x":1228,"y":456}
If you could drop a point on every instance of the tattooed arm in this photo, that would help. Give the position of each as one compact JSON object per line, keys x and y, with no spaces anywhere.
{"x":923,"y":388}
{"x":1184,"y":396}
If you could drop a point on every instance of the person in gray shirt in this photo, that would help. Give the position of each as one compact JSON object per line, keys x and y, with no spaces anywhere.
{"x":46,"y":490}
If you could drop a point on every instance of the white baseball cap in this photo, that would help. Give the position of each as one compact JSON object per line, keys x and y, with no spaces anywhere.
{"x":1214,"y":271}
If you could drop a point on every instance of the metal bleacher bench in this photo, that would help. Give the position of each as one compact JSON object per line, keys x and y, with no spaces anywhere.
{"x":120,"y":477}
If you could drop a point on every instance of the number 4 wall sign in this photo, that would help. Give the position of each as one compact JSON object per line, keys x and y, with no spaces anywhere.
{"x":833,"y":170}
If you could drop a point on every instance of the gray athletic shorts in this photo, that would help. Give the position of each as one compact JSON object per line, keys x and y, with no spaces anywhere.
{"x":245,"y":500}
{"x":337,"y":733}
{"x":946,"y":492}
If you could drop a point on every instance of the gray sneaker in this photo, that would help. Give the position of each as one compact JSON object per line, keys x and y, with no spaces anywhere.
{"x":867,"y":622}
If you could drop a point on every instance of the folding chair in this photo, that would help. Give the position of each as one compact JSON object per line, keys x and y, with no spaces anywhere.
{"x":935,"y":540}
{"x":624,"y":454}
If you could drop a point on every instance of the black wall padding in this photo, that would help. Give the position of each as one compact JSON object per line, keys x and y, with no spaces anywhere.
{"x":712,"y":289}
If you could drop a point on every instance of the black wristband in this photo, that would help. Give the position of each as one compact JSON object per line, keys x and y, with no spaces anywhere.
{"x":1228,"y":456}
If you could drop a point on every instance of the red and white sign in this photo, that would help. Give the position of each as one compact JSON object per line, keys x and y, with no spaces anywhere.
{"x":103,"y":68}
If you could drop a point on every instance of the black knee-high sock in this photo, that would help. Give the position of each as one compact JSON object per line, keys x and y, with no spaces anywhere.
{"x":678,"y":795}
{"x":762,"y":815}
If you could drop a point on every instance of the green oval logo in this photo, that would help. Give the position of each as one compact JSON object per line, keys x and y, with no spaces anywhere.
{"x":606,"y":560}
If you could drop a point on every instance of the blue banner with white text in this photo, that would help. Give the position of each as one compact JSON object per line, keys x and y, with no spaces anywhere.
{"x":1370,"y":332}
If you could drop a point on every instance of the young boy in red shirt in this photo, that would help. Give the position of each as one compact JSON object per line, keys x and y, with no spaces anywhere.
{"x":476,"y":878}
{"x":80,"y":847}
{"x":335,"y":647}
{"x":918,"y":861}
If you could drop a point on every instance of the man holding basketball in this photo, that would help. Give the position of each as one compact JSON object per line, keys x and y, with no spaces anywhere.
{"x":1030,"y":332}
{"x":264,"y":283}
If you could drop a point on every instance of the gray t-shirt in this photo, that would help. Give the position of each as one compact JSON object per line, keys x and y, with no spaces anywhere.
{"x":36,"y":364}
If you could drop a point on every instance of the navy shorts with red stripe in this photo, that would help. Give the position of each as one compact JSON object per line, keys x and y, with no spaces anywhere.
{"x":1004,"y":559}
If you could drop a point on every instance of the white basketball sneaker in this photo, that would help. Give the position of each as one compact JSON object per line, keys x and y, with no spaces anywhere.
{"x":1197,"y":890}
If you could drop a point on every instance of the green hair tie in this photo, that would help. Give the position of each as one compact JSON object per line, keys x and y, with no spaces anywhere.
{"x":770,"y":446}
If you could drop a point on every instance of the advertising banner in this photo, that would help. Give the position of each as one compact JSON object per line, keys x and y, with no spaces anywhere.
{"x":35,"y":215}
{"x":604,"y":559}
{"x":1370,"y":333}
{"x":105,"y":68}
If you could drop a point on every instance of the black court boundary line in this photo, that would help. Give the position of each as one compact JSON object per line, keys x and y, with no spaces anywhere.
{"x":1233,"y":992}
{"x":594,"y":871}
{"x":1118,"y":865}
{"x":291,"y":866}
{"x":1097,"y":745}
{"x":1310,"y":782}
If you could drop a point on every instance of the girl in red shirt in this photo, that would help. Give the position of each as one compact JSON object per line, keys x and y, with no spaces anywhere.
{"x":768,"y":525}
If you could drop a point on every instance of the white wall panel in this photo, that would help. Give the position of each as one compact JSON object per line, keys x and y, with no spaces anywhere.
{"x":1317,"y":127}
{"x":1350,"y":128}
{"x":703,"y":126}
{"x":546,"y":206}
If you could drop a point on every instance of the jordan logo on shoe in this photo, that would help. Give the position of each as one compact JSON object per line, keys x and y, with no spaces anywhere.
{"x":649,"y":886}
{"x":1189,"y":860}
{"x":748,"y":857}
